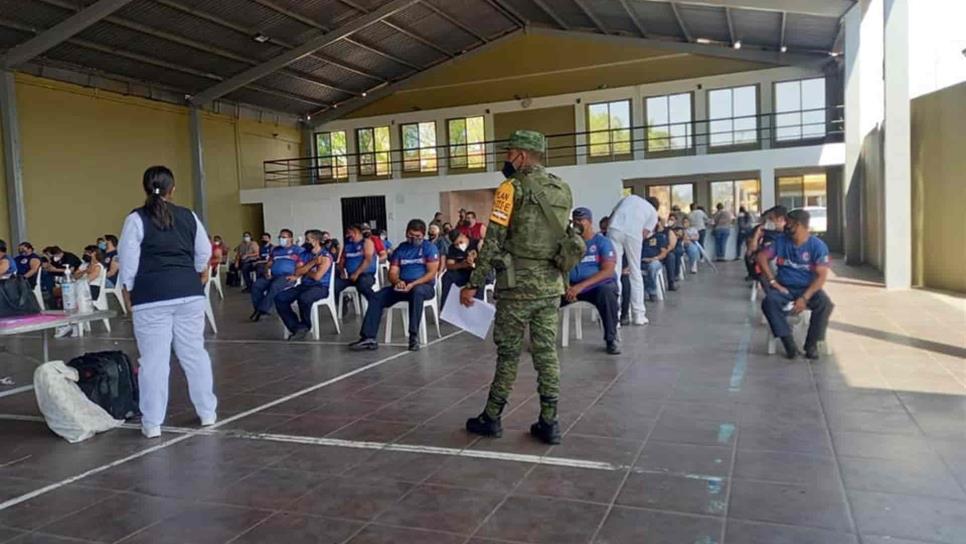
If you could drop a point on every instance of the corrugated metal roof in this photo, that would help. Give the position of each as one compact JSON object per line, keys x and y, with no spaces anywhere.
{"x":188,"y":45}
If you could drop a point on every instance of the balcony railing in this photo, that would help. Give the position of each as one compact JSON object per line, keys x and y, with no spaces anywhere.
{"x":623,"y":143}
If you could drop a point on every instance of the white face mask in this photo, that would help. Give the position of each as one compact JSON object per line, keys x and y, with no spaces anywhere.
{"x":462,"y":246}
{"x":770,"y":225}
{"x":247,"y":239}
{"x":283,"y":241}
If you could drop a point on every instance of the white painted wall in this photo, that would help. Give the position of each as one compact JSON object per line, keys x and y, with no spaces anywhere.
{"x":597,"y":186}
{"x":937,"y":38}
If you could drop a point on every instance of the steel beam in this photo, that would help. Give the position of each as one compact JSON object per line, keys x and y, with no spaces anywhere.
{"x":324,"y":116}
{"x":820,"y":8}
{"x":455,"y":22}
{"x":731,"y":26}
{"x":550,"y":13}
{"x":781,"y":40}
{"x":809,"y":60}
{"x":61,"y":32}
{"x":281,"y":61}
{"x":637,"y":20}
{"x":198,"y":182}
{"x":680,"y":20}
{"x":590,"y":15}
{"x":13,"y":168}
{"x":509,"y":12}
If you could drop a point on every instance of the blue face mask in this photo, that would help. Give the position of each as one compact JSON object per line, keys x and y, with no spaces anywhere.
{"x":283,"y":241}
{"x":102,"y":245}
{"x":508,"y":169}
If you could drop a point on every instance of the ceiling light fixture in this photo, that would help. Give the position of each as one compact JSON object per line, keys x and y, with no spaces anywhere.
{"x":260,"y":38}
{"x":308,"y":117}
{"x":364,"y":94}
{"x":703,"y":41}
{"x":737,"y":44}
{"x":784,"y":49}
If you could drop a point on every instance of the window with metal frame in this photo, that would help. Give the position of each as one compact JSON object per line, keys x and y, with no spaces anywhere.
{"x":467,"y":147}
{"x":800,"y":109}
{"x":373,"y":146}
{"x":809,"y":192}
{"x":678,"y":194}
{"x":733,"y":116}
{"x":331,"y":149}
{"x":737,"y":194}
{"x":669,"y":125}
{"x":608,"y":126}
{"x":419,"y":146}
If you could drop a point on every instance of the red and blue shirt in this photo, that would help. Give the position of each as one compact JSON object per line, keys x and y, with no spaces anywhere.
{"x":599,"y":250}
{"x":412,"y":260}
{"x":285,"y":260}
{"x":797,"y":264}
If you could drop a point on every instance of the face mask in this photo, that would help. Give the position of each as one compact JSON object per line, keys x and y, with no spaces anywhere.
{"x":414,"y":240}
{"x":508,"y":169}
{"x":56,"y":258}
{"x":366,"y":234}
{"x":247,"y":239}
{"x":25,"y":252}
{"x":462,"y":247}
{"x":87,"y":258}
{"x":769,"y":225}
{"x":103,"y":245}
{"x":283,"y":241}
{"x":578,"y":227}
{"x":790,"y":230}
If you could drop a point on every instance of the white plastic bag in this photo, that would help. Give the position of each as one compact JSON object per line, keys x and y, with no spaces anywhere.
{"x":68,"y":412}
{"x":82,"y":290}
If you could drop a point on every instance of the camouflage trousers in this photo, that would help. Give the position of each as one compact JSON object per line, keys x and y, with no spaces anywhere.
{"x":512,"y":318}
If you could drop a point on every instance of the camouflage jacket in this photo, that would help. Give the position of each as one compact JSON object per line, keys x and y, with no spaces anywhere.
{"x":519,"y":243}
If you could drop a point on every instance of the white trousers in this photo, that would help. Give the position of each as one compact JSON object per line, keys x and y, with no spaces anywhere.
{"x":631,"y":245}
{"x":155,"y":330}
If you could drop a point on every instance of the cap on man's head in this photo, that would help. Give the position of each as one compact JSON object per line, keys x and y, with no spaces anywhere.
{"x":528,"y":140}
{"x":776,"y":211}
{"x":582,"y":213}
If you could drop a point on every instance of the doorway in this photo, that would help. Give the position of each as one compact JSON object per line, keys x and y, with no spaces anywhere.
{"x":368,"y":209}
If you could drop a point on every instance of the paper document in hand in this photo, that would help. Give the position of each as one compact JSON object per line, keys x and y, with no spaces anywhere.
{"x":475,"y":320}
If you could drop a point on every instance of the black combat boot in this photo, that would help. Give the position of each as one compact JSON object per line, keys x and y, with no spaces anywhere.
{"x":811,"y":351}
{"x":413,"y":342}
{"x":548,"y":433}
{"x":485,"y":426}
{"x":791,"y":350}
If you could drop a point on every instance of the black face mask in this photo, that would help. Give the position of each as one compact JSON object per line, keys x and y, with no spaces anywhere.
{"x":307,"y":246}
{"x":366,"y":234}
{"x":87,"y":258}
{"x":790,"y":230}
{"x":508,"y":169}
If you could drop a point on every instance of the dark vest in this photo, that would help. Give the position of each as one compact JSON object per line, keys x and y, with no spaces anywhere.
{"x":166,"y":269}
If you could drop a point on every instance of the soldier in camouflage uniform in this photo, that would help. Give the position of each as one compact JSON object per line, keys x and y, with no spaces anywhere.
{"x":520,"y":245}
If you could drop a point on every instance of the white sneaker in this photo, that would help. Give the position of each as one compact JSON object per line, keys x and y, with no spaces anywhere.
{"x":150,"y":432}
{"x":63,"y":331}
{"x":209,"y":421}
{"x":641,"y":321}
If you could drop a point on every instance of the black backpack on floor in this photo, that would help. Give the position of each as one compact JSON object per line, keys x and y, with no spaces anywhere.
{"x":109,"y":379}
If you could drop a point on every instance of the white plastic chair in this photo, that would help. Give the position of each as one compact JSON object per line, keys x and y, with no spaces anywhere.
{"x":799,"y":324}
{"x":209,"y":312}
{"x":328,"y":302}
{"x":575,"y":310}
{"x":214,"y":278}
{"x":705,"y":258}
{"x":754,"y":291}
{"x":358,"y":302}
{"x":403,"y":307}
{"x":661,"y":282}
{"x":100,"y":303}
{"x":382,"y":271}
{"x":681,"y":274}
{"x":38,"y":291}
{"x":118,"y":294}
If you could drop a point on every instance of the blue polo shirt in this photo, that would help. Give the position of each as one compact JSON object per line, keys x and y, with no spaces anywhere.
{"x":412,"y":260}
{"x":599,"y":250}
{"x":797,"y":265}
{"x":654,"y":244}
{"x":355,"y":253}
{"x":310,"y":255}
{"x":285,"y":260}
{"x":264,"y":250}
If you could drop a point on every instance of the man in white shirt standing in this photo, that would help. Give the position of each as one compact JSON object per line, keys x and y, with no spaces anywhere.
{"x":632,"y":220}
{"x":699,"y":220}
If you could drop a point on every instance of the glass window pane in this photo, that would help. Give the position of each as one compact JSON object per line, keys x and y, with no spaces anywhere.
{"x":788,"y":126}
{"x":719,"y":104}
{"x":790,"y":191}
{"x":746,"y":130}
{"x":749,"y":195}
{"x":364,"y":138}
{"x":723,"y":192}
{"x":813,"y":93}
{"x":599,"y":144}
{"x":663,"y":194}
{"x":721,"y":132}
{"x":788,"y":96}
{"x":682,"y":195}
{"x":657,"y":111}
{"x":597,"y":117}
{"x":746,"y":101}
{"x":680,"y":117}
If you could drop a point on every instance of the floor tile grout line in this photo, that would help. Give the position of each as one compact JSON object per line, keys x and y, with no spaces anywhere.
{"x":37,"y":492}
{"x":741,"y":355}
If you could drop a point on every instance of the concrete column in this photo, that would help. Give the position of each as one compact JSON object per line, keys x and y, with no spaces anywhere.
{"x":638,"y":120}
{"x":897,"y":148}
{"x":396,"y":156}
{"x":700,"y":121}
{"x":767,"y":181}
{"x":351,"y":148}
{"x":766,"y":106}
{"x":493,"y":159}
{"x":199,"y":184}
{"x":580,"y":125}
{"x":12,"y":160}
{"x":863,"y":116}
{"x":311,"y":176}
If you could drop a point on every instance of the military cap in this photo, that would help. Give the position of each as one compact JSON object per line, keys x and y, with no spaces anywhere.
{"x":528,"y":140}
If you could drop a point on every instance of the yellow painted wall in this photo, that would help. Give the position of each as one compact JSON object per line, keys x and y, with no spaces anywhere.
{"x":938,"y":183}
{"x":4,"y":217}
{"x":84,"y":152}
{"x":558,"y":120}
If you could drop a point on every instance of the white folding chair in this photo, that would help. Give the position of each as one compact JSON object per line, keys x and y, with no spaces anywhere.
{"x":359,"y":303}
{"x":382,"y":271}
{"x":329,"y":302}
{"x":575,"y":310}
{"x":705,"y":257}
{"x":799,"y":324}
{"x":214,"y":278}
{"x":38,"y":291}
{"x":209,"y":312}
{"x":100,"y":303}
{"x":404,"y":308}
{"x":754,"y":291}
{"x":681,"y":267}
{"x":117,"y":291}
{"x":661,"y":282}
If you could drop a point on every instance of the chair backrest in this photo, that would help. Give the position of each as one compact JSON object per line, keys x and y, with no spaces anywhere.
{"x":331,"y":294}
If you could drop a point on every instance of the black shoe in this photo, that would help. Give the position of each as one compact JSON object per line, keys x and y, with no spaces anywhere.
{"x":625,"y":322}
{"x":811,"y":352}
{"x":484,"y":426}
{"x":255,"y":315}
{"x":258,"y":316}
{"x":246,"y":290}
{"x":613,"y":348}
{"x":298,"y":335}
{"x":791,"y":351}
{"x":548,"y":433}
{"x":364,"y":344}
{"x":413,"y":342}
{"x":651,"y":298}
{"x":672,"y":287}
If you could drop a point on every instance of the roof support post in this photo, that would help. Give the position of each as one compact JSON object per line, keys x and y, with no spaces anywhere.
{"x":12,"y":163}
{"x":198,"y":182}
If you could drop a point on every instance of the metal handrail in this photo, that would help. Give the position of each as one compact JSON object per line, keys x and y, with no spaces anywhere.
{"x":315,"y":169}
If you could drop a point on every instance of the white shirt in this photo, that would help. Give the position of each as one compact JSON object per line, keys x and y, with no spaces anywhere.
{"x":633,"y":215}
{"x":698,"y":219}
{"x":129,"y":255}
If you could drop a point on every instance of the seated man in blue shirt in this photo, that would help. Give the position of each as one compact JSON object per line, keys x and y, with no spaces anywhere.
{"x":594,"y":279}
{"x":802,"y":261}
{"x":28,"y":263}
{"x":357,"y":265}
{"x":282,"y":262}
{"x":314,"y":271}
{"x":412,"y":278}
{"x":655,"y":249}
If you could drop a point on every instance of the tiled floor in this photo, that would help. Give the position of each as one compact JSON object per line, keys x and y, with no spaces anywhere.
{"x":693,"y":435}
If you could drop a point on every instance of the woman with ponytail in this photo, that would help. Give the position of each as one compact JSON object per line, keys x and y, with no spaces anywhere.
{"x":164,"y":253}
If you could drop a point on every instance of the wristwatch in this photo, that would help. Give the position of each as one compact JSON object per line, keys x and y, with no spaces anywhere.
{"x":772,"y":281}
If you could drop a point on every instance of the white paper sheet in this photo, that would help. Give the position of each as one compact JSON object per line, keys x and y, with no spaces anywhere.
{"x":475,"y":320}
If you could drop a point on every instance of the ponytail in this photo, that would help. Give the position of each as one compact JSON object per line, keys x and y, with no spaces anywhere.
{"x":158,"y":183}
